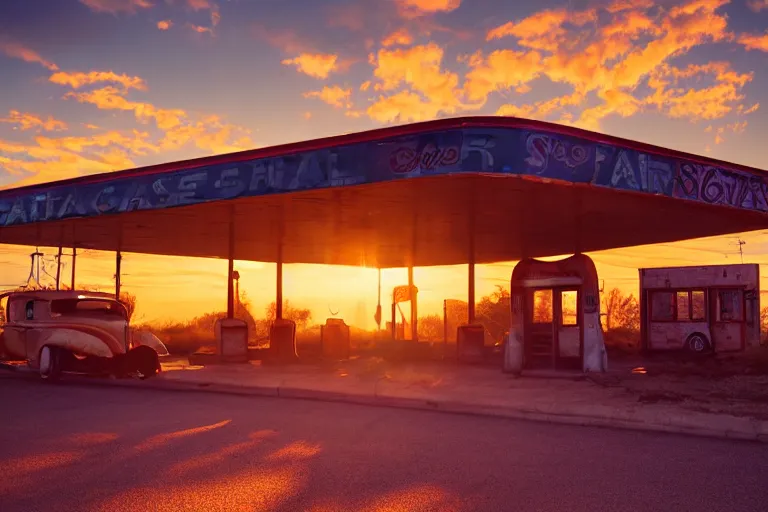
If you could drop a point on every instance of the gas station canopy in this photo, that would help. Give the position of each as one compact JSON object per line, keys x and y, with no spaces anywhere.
{"x":480,"y":189}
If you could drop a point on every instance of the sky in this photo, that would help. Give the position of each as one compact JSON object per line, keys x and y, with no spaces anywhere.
{"x":92,"y":86}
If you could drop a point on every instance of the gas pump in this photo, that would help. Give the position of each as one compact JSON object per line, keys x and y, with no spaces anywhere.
{"x":400,"y":294}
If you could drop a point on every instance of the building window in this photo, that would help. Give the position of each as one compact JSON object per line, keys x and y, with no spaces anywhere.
{"x":729,"y":306}
{"x":662,"y":306}
{"x":698,"y":306}
{"x":569,"y":308}
{"x":542,"y":307}
{"x":683,"y":306}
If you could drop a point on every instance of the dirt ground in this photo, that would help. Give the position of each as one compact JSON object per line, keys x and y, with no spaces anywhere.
{"x":728,"y":383}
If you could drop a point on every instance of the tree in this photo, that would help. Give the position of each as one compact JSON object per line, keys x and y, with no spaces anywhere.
{"x":621,"y":311}
{"x":763,"y":322}
{"x":129,"y":301}
{"x":430,"y":328}
{"x":493,"y":311}
{"x":299,"y":315}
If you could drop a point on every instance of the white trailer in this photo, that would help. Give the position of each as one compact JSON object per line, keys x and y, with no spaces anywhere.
{"x":702,"y":308}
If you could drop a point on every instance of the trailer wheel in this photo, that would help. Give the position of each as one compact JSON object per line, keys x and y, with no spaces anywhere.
{"x":698,"y":344}
{"x":50,"y":363}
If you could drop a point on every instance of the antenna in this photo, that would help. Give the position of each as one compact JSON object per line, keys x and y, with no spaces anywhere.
{"x":741,"y":244}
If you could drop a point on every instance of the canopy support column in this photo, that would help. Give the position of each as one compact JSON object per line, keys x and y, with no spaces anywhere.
{"x":414,"y":307}
{"x":279,"y":265}
{"x":74,"y":265}
{"x":231,"y":271}
{"x":58,"y":268}
{"x":471,"y":290}
{"x":279,"y":285}
{"x":471,"y":259}
{"x":118,"y":267}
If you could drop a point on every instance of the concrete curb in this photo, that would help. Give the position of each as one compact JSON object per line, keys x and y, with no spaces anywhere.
{"x":697,"y":424}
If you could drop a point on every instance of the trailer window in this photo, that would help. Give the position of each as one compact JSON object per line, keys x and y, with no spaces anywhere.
{"x":683,"y":306}
{"x":662,"y":306}
{"x":729,"y":306}
{"x":698,"y":306}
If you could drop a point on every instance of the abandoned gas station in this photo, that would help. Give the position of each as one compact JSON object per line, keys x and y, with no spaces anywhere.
{"x":458,"y":191}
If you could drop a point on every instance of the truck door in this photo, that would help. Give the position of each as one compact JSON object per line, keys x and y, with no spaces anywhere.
{"x":728,"y":326}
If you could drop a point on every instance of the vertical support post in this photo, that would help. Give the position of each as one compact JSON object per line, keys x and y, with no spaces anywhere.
{"x":118,"y":265}
{"x":471,"y":266}
{"x":279,"y":265}
{"x":414,"y":306}
{"x":377,"y":316}
{"x":231,"y":270}
{"x":471,"y":291}
{"x":74,"y":265}
{"x":58,"y":269}
{"x":279,"y":287}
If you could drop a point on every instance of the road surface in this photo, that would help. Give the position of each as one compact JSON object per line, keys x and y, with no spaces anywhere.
{"x":83,"y":448}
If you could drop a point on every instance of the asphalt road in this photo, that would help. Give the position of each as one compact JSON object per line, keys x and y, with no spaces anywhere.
{"x":84,"y":448}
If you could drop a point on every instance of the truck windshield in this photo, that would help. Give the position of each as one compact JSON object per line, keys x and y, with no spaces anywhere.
{"x":86,"y":307}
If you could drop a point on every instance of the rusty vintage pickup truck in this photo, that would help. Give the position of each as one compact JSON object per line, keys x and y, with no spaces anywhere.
{"x":74,"y":331}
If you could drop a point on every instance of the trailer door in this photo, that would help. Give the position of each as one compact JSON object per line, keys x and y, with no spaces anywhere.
{"x":728,"y":320}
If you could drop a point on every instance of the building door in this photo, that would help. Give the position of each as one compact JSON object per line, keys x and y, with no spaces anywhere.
{"x":554,"y":329}
{"x":728,"y":324}
{"x":568,"y":328}
{"x":540,"y":329}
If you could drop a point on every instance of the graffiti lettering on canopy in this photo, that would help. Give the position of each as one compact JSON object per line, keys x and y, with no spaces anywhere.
{"x":432,"y":157}
{"x":543,"y":149}
{"x":714,"y":185}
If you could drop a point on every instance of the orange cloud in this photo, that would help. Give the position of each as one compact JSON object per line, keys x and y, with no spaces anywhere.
{"x":502,"y":69}
{"x":48,"y":159}
{"x":543,"y":30}
{"x":737,"y":127}
{"x":757,"y":5}
{"x":208,"y":133}
{"x":405,"y":106}
{"x":751,"y":110}
{"x":164,"y":24}
{"x":26,"y":121}
{"x":116,"y":6}
{"x":710,"y":102}
{"x":198,"y":5}
{"x":307,"y":115}
{"x":626,"y":5}
{"x":365,"y":85}
{"x":111,"y":98}
{"x":77,"y":80}
{"x":628,"y":48}
{"x":540,"y":110}
{"x":399,"y":37}
{"x":429,"y":88}
{"x":754,"y":42}
{"x":333,"y":95}
{"x":415,"y":8}
{"x":316,"y":65}
{"x":18,"y":51}
{"x":200,"y":29}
